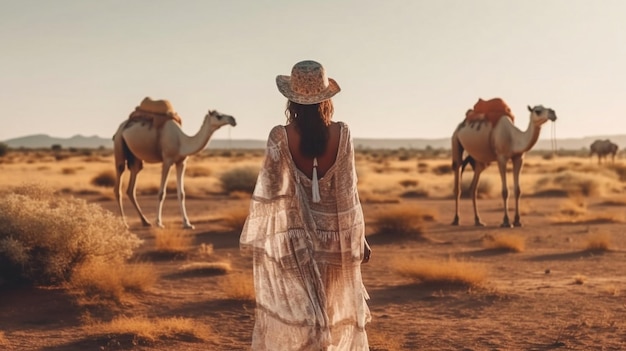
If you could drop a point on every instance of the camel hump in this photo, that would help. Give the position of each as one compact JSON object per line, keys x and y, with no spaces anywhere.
{"x":159,"y":107}
{"x":492,"y":110}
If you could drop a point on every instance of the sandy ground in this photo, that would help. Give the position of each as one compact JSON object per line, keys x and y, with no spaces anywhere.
{"x":521,"y":306}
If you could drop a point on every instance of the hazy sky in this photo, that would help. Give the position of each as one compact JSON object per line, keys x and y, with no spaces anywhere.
{"x":407,"y":69}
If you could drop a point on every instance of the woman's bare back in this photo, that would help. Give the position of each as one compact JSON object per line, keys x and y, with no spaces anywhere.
{"x":325,"y":161}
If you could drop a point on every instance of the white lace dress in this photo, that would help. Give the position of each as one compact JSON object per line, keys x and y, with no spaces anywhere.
{"x":307,"y":256}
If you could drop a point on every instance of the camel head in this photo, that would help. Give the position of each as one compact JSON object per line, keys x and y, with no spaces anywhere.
{"x":540,"y":115}
{"x":216,"y":119}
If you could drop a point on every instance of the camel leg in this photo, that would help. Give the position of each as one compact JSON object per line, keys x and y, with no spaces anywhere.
{"x":120,"y":166}
{"x":518,"y":161}
{"x":456,"y":168}
{"x":505,"y":192}
{"x":180,"y":188}
{"x":478,"y":169}
{"x":165,"y":173}
{"x":457,"y":161}
{"x":135,"y":168}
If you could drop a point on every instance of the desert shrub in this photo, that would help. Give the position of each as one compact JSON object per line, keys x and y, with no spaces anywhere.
{"x":4,"y":149}
{"x":442,"y":272}
{"x":68,"y":170}
{"x":239,"y":179}
{"x":45,"y":236}
{"x":104,"y":179}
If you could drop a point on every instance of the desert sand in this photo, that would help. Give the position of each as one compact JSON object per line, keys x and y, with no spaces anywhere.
{"x":553,"y":295}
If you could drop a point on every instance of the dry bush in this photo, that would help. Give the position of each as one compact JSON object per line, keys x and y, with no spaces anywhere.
{"x":111,"y":280}
{"x":4,"y":149}
{"x":144,"y":329}
{"x":404,"y":220}
{"x":580,"y":279}
{"x":442,"y":272}
{"x":620,"y":170}
{"x":171,"y":240}
{"x":442,"y":169}
{"x":574,"y":183}
{"x":239,"y":179}
{"x":597,"y":242}
{"x":421,"y":192}
{"x":236,"y":218}
{"x":409,"y":183}
{"x":239,"y":287}
{"x":205,"y":268}
{"x":506,"y":242}
{"x":105,"y":179}
{"x":198,"y":171}
{"x":486,"y":187}
{"x":68,"y":170}
{"x":44,"y":236}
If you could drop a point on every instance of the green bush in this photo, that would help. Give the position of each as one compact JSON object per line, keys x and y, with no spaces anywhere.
{"x":44,"y":236}
{"x":239,"y":179}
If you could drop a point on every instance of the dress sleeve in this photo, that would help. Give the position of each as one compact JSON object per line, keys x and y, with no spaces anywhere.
{"x":272,"y":195}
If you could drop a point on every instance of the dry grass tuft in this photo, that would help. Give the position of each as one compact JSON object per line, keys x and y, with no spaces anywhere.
{"x":486,"y":187}
{"x":404,"y":220}
{"x":205,"y":268}
{"x":597,"y":242}
{"x":506,"y":242}
{"x":152,"y":329}
{"x":239,"y":287}
{"x":3,"y":339}
{"x":442,"y":272}
{"x":198,"y":171}
{"x":111,"y":281}
{"x":236,"y":218}
{"x":169,"y":240}
{"x":574,"y":210}
{"x":381,"y":340}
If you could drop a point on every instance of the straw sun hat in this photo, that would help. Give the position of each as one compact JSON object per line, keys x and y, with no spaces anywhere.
{"x":308,"y":84}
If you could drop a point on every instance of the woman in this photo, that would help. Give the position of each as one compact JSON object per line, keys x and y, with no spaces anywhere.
{"x":305,"y":228}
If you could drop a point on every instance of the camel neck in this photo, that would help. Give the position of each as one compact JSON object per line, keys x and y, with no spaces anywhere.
{"x":524,"y":141}
{"x":195,"y":143}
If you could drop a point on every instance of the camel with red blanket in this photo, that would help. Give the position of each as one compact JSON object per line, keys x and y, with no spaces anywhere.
{"x":486,"y":138}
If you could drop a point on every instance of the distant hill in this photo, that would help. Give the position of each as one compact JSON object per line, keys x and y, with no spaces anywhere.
{"x":94,"y":142}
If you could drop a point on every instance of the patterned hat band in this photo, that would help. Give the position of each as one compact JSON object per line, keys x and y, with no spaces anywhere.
{"x":308,"y":84}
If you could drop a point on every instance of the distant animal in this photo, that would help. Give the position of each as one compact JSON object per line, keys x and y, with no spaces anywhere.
{"x":154,"y":135}
{"x":484,"y":143}
{"x":603,"y":148}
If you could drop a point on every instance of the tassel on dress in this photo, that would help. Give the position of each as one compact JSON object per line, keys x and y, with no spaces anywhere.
{"x":315,"y":188}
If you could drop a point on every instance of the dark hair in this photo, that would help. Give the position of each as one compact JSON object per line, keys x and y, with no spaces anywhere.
{"x":312,"y":123}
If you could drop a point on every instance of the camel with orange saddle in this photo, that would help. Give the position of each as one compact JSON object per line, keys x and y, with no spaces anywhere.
{"x":488,"y":134}
{"x":153,"y":134}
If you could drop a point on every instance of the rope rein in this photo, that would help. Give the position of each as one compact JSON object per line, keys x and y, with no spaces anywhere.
{"x":553,"y":138}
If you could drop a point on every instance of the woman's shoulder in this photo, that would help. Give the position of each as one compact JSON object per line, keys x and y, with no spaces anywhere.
{"x":276,"y":133}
